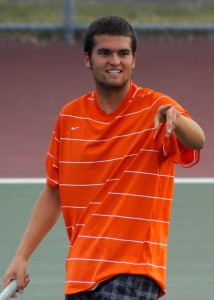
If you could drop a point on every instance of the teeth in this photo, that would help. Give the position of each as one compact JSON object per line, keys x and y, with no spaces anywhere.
{"x":114,"y":71}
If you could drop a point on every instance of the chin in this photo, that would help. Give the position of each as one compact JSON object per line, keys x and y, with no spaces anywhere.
{"x":113,"y":84}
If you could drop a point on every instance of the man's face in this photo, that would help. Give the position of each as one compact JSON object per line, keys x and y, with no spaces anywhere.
{"x":111,"y":61}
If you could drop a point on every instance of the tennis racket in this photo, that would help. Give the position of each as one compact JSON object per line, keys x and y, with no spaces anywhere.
{"x":10,"y":290}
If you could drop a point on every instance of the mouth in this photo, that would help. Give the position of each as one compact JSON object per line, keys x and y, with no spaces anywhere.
{"x":114,"y":71}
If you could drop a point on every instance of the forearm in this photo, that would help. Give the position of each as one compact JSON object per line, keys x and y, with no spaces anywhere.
{"x":44,"y":216}
{"x":189,"y":133}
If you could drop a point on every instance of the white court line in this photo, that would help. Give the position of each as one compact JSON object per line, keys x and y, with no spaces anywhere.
{"x":22,"y":180}
{"x":196,"y":180}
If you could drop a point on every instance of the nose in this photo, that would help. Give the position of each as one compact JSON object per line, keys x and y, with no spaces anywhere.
{"x":114,"y":60}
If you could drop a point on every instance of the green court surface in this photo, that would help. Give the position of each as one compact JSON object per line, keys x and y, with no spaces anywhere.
{"x":191,"y":243}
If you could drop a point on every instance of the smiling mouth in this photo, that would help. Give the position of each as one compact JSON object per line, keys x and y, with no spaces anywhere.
{"x":114,"y":71}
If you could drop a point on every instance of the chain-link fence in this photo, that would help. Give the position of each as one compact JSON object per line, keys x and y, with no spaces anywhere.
{"x":71,"y":17}
{"x":37,"y":16}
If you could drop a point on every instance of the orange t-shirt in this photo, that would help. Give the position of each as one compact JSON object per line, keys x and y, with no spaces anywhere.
{"x":115,"y":174}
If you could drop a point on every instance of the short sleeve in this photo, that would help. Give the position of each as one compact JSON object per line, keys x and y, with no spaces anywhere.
{"x":52,"y":158}
{"x":174,"y":150}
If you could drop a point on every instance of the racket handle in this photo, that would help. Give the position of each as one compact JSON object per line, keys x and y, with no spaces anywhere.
{"x":10,"y":290}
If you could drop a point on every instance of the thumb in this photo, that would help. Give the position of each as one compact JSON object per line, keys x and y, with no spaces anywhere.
{"x":163,"y":109}
{"x":21,"y":282}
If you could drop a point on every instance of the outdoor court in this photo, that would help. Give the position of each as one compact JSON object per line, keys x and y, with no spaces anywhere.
{"x":35,"y":82}
{"x":191,"y":243}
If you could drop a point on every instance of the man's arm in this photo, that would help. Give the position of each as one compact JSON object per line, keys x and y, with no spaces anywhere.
{"x":44,"y":216}
{"x":187,"y":131}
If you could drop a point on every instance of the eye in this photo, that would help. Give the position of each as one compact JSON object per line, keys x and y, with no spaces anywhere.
{"x":124,"y":52}
{"x":104,"y":52}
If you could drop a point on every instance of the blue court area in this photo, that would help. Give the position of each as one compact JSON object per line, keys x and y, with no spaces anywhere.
{"x":191,"y":243}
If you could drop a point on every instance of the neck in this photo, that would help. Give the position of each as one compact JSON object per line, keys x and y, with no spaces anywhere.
{"x":110,"y":99}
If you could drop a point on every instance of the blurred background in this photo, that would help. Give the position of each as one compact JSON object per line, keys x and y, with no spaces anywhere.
{"x":70,"y":17}
{"x":42,"y":69}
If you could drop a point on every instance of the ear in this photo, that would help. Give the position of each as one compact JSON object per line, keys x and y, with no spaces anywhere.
{"x":87,"y":60}
{"x":134,"y":60}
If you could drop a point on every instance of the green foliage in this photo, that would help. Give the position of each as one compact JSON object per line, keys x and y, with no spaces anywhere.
{"x":52,"y":12}
{"x":149,"y":14}
{"x":30,"y":12}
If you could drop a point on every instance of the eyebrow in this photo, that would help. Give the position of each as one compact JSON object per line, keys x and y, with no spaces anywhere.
{"x":110,"y":50}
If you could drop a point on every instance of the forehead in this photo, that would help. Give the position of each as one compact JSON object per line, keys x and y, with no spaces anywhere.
{"x":112,"y":42}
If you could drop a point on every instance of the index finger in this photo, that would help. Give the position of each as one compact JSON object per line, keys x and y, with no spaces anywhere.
{"x":161,"y":115}
{"x":169,"y":124}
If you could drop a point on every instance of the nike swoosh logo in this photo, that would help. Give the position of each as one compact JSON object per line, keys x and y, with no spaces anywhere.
{"x":74,"y":128}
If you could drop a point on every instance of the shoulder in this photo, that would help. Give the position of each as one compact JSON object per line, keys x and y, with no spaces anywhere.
{"x":154,"y":98}
{"x":77,"y":104}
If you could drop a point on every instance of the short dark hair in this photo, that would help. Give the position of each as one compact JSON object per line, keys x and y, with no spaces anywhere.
{"x":111,"y":25}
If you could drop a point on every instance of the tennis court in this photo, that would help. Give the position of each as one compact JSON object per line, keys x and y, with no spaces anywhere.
{"x":191,"y":243}
{"x":36,"y":80}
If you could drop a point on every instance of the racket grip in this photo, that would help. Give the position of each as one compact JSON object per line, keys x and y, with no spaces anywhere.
{"x":10,"y":290}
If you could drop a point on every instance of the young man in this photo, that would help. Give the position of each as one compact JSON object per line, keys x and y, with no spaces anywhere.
{"x":110,"y":170}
